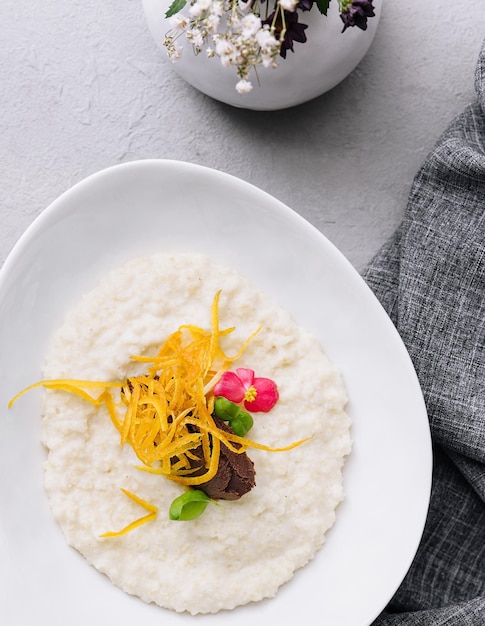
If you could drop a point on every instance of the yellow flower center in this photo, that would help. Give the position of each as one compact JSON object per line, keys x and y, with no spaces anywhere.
{"x":250,"y":394}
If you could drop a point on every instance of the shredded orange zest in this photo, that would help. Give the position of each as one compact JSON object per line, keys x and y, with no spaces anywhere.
{"x":152,"y":513}
{"x":74,"y":386}
{"x":169,"y":409}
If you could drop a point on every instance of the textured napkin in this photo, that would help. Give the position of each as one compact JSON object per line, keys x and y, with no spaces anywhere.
{"x":430,"y":277}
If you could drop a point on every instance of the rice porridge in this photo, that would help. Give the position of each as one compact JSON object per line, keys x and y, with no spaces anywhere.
{"x":237,"y":551}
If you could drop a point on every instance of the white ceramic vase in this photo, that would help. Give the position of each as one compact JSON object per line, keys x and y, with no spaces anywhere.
{"x":316,"y":66}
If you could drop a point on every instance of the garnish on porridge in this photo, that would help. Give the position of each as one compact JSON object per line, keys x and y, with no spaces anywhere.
{"x":183,"y":417}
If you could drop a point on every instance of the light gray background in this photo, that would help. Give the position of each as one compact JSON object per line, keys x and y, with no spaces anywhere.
{"x":83,"y":87}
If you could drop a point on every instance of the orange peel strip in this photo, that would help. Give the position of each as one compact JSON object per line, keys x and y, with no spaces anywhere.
{"x":152,"y":513}
{"x":70,"y":385}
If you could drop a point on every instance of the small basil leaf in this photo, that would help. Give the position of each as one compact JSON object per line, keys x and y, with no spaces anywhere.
{"x":240,"y":421}
{"x":175,"y":7}
{"x":189,"y":505}
{"x":241,"y":424}
{"x":225,"y":409}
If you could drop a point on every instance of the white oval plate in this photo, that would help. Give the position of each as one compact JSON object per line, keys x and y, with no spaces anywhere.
{"x":147,"y":206}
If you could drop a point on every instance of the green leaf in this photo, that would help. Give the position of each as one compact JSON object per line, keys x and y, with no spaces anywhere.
{"x":323,"y":6}
{"x":175,"y":7}
{"x":240,"y":421}
{"x":189,"y":505}
{"x":241,"y":424}
{"x":225,"y":409}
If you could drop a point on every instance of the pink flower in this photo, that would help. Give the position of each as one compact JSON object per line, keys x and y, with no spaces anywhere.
{"x":258,"y":394}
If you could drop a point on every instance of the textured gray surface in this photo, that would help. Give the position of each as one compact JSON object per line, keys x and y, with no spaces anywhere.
{"x":84,"y":86}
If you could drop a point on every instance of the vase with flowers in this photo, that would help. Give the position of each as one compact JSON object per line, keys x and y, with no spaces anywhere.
{"x":263,"y":54}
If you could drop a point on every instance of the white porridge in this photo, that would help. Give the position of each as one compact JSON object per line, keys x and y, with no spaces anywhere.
{"x":231,"y":554}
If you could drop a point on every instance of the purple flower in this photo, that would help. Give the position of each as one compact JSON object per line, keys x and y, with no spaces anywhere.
{"x":295,"y":30}
{"x":356,"y":13}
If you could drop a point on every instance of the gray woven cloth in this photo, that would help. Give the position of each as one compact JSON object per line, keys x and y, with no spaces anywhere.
{"x":430,"y":277}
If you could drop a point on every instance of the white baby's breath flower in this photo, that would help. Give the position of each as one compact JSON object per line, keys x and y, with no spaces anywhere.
{"x":196,"y":9}
{"x":223,"y":47}
{"x":269,"y":47}
{"x":251,"y":24}
{"x":212,"y":23}
{"x":199,"y":7}
{"x":217,"y":8}
{"x":210,"y":52}
{"x":225,"y":60}
{"x":178,"y":22}
{"x":268,"y":60}
{"x":288,"y":5}
{"x":229,"y":53}
{"x":243,"y":86}
{"x":176,"y":52}
{"x":194,"y":35}
{"x":265,"y":38}
{"x":225,"y":51}
{"x":234,"y":23}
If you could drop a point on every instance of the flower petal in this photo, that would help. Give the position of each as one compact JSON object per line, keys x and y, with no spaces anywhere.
{"x":246,"y":376}
{"x":266,"y":397}
{"x":230,"y":387}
